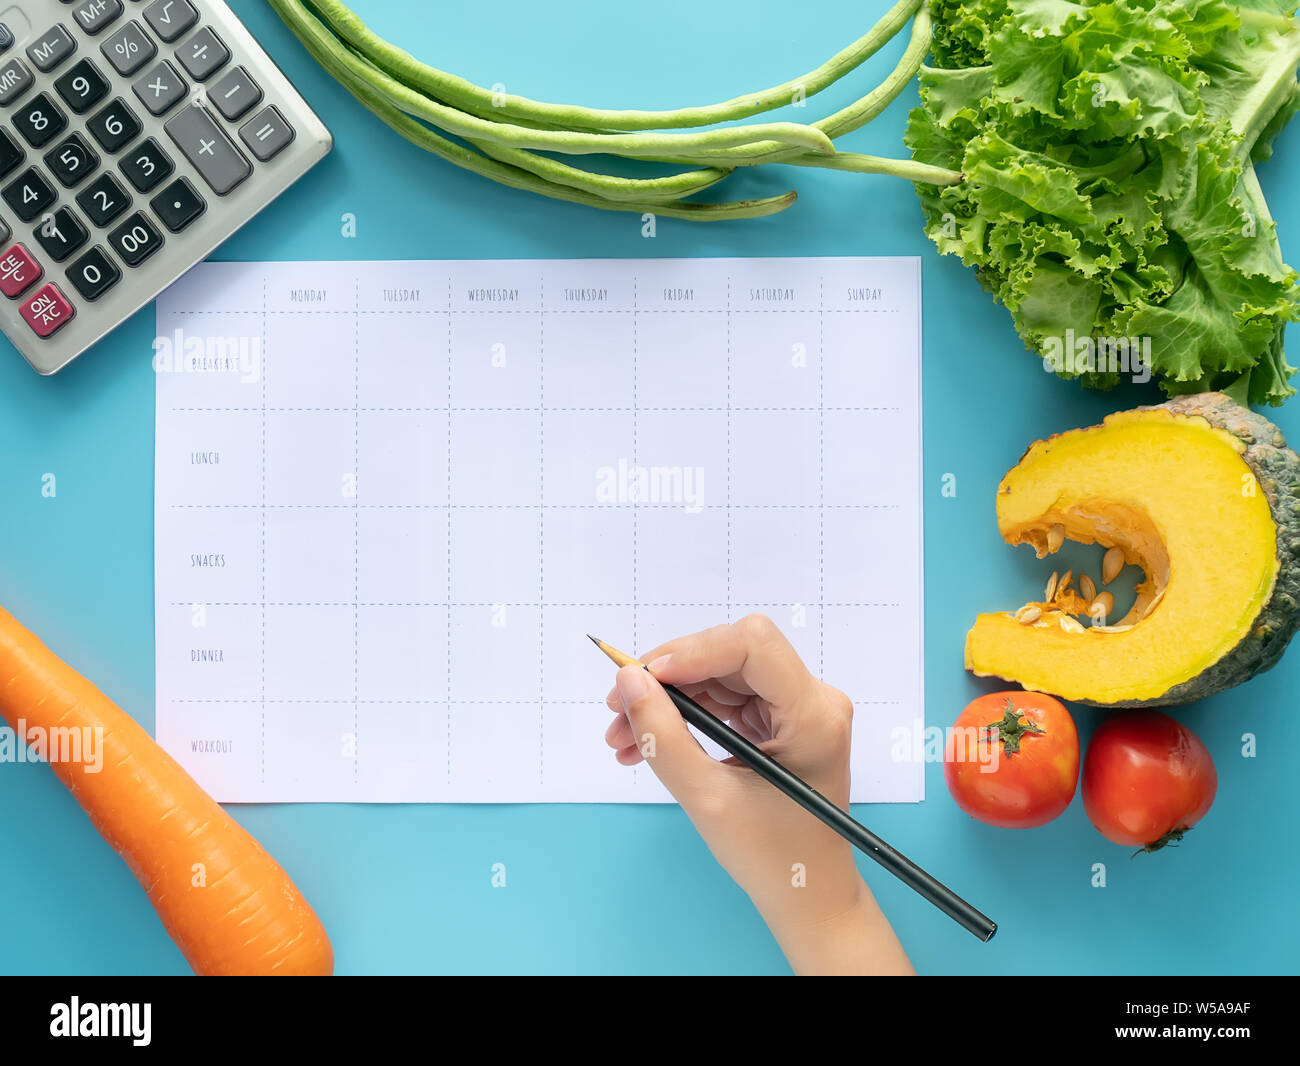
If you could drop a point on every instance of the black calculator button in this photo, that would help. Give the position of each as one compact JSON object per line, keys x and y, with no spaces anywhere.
{"x":10,"y":153}
{"x":103,"y":199}
{"x":203,"y":54}
{"x":135,"y":240}
{"x":72,"y":161}
{"x":235,"y":94}
{"x":94,"y":16}
{"x":160,"y":88}
{"x":15,"y":79}
{"x":177,"y":205}
{"x":40,"y":120}
{"x":61,"y":234}
{"x":94,"y":274}
{"x":128,"y":48}
{"x":51,"y":48}
{"x":170,"y":18}
{"x":28,"y":194}
{"x":146,"y":165}
{"x":6,"y":38}
{"x":82,"y":86}
{"x":5,"y":232}
{"x":115,"y":126}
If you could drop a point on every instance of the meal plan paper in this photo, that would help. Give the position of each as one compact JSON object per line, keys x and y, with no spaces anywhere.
{"x":393,"y":498}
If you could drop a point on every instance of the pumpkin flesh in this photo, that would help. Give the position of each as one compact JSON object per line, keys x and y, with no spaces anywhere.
{"x":1175,"y":494}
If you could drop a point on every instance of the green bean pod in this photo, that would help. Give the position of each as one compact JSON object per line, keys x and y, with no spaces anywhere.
{"x":463,"y":94}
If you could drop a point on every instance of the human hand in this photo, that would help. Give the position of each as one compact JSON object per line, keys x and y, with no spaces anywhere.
{"x":799,"y":873}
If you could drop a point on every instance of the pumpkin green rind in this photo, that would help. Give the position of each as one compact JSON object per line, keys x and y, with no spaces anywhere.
{"x":1277,"y":469}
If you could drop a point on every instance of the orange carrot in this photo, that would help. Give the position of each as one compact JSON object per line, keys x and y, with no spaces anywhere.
{"x":228,"y":905}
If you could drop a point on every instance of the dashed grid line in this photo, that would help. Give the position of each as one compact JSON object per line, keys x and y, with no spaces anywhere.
{"x":356,"y":536}
{"x":821,"y":473}
{"x":541,"y":530}
{"x":769,"y":605}
{"x":530,"y":506}
{"x":448,"y":408}
{"x":550,"y":311}
{"x":585,"y":698}
{"x":262,"y":627}
{"x":449,"y":504}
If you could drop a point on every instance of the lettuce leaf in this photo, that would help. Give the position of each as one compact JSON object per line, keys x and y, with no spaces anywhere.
{"x":1108,"y":150}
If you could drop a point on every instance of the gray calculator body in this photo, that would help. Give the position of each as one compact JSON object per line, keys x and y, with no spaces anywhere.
{"x":135,"y":137}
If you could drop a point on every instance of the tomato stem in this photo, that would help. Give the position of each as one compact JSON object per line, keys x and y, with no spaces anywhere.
{"x":1170,"y":839}
{"x":1011,"y":729}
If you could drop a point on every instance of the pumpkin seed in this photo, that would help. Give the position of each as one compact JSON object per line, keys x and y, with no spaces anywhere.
{"x":1050,"y":591}
{"x":1064,"y":586}
{"x":1101,"y":607}
{"x":1111,"y":564}
{"x":1055,"y":538}
{"x":1027,"y":615}
{"x":1070,"y":624}
{"x":1087,"y":589}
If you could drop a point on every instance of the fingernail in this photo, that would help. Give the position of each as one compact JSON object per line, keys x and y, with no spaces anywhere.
{"x":659,"y":663}
{"x":632,"y":684}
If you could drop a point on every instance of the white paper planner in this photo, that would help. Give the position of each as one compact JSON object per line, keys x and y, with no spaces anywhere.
{"x":392,"y":498}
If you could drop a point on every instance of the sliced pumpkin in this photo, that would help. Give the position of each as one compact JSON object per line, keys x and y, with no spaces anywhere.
{"x":1199,"y":492}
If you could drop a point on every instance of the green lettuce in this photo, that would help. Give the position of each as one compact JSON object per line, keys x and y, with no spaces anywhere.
{"x":1109,"y":153}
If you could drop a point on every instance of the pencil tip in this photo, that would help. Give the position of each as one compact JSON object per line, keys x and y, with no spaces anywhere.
{"x":593,"y":640}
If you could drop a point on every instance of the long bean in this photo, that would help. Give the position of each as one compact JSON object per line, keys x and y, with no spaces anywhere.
{"x":658,"y":189}
{"x":701,"y":145}
{"x":330,"y":57}
{"x":846,"y":120}
{"x":458,"y":92}
{"x":874,"y":164}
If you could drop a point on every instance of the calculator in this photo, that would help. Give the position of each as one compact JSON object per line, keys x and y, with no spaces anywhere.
{"x":135,"y":137}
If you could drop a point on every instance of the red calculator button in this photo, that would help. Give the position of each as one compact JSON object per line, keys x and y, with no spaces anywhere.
{"x":18,"y":271}
{"x":47,"y":311}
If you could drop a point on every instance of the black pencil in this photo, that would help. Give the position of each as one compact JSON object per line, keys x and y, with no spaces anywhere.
{"x":819,"y":806}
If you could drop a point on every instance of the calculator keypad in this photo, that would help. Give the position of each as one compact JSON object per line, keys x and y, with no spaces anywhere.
{"x":94,"y":274}
{"x":103,"y":199}
{"x":84,"y":165}
{"x":40,"y":120}
{"x":82,"y":86}
{"x":114,"y":127}
{"x":170,"y":18}
{"x":10,"y":154}
{"x":135,"y":240}
{"x":208,"y":149}
{"x":51,"y":48}
{"x":15,"y":79}
{"x":177,"y":205}
{"x":61,"y":234}
{"x":46,"y":311}
{"x":235,"y":94}
{"x":18,"y":271}
{"x":146,"y":165}
{"x":95,"y":16}
{"x":203,"y":54}
{"x":128,"y":49}
{"x":71,"y":161}
{"x":29,"y":194}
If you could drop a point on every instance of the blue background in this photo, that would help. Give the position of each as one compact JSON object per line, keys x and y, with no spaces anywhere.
{"x":622,"y":888}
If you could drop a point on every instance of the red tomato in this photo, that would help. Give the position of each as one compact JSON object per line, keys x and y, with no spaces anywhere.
{"x":1012,"y":759}
{"x":1147,"y":779}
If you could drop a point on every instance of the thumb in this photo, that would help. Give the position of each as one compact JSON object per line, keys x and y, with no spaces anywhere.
{"x":661,"y":734}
